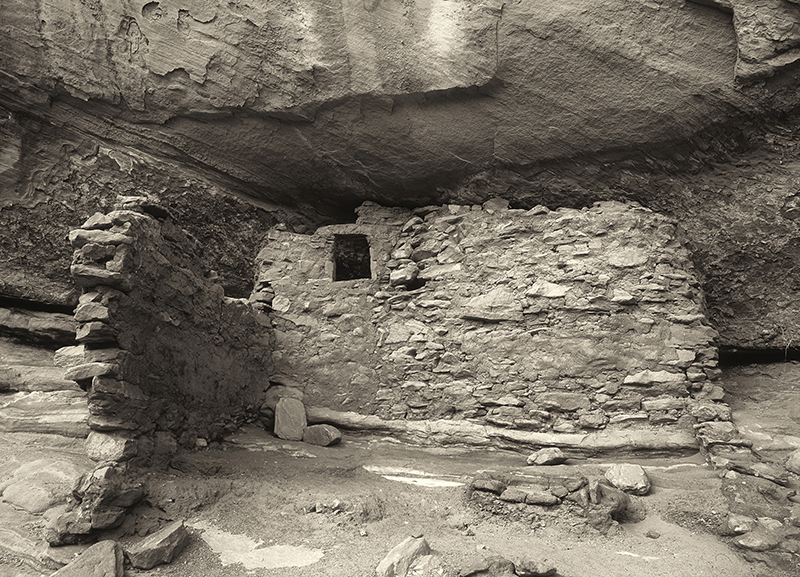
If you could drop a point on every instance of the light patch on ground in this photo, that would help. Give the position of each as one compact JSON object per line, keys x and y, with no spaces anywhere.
{"x":252,"y":554}
{"x":423,"y":482}
{"x":412,"y":476}
{"x":646,"y":558}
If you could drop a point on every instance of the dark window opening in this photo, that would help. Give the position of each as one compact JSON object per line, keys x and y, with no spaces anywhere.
{"x":732,"y":357}
{"x":351,"y":257}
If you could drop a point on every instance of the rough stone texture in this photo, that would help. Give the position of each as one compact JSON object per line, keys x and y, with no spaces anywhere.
{"x":605,"y":505}
{"x":162,"y":546}
{"x":55,"y":412}
{"x":41,"y":484}
{"x":398,"y":561}
{"x":322,"y":435}
{"x":629,"y":478}
{"x":111,"y":446}
{"x":549,"y":102}
{"x":547,"y":456}
{"x":101,"y":499}
{"x":534,"y":568}
{"x":290,"y":419}
{"x":166,"y":350}
{"x":793,"y":462}
{"x":26,"y":367}
{"x":103,"y":559}
{"x":605,"y":296}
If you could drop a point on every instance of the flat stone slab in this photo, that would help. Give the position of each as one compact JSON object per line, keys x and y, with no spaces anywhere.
{"x":290,"y":419}
{"x":103,"y":559}
{"x":402,"y":556}
{"x":619,"y":442}
{"x":160,"y":547}
{"x":62,"y":413}
{"x":39,"y":485}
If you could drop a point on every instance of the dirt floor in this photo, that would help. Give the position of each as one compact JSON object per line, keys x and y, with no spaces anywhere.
{"x":257,"y":505}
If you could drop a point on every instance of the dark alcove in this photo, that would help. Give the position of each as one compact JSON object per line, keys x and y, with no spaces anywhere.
{"x":351,"y":257}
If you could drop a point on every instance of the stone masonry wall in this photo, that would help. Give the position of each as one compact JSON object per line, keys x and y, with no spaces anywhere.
{"x":164,"y":354}
{"x":536,"y":320}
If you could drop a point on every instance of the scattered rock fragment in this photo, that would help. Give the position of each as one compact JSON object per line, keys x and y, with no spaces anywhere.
{"x":534,"y":568}
{"x":290,"y":419}
{"x":759,"y":540}
{"x":494,"y":566}
{"x":547,"y":456}
{"x":322,"y":435}
{"x":160,"y":547}
{"x":402,"y":557}
{"x":629,"y":478}
{"x":606,"y":504}
{"x":103,"y":559}
{"x":112,"y":446}
{"x":488,"y":484}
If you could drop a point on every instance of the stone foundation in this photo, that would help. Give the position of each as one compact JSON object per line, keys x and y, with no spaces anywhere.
{"x":562,"y":321}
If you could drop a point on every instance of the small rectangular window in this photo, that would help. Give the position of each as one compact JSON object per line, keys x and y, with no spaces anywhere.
{"x":351,"y":258}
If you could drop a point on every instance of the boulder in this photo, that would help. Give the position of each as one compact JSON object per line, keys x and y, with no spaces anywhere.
{"x":606,"y":504}
{"x":534,"y":568}
{"x":494,"y":566}
{"x":290,"y":419}
{"x":547,"y":456}
{"x":160,"y":547}
{"x":629,"y":478}
{"x":103,"y":559}
{"x":793,"y":462}
{"x":322,"y":435}
{"x":402,"y":557}
{"x":111,"y":446}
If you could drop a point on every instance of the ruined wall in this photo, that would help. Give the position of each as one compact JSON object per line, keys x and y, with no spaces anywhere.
{"x":536,"y":320}
{"x":162,"y":348}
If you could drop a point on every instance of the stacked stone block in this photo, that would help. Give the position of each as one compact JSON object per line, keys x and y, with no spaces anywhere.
{"x":564,"y":321}
{"x":163,"y":350}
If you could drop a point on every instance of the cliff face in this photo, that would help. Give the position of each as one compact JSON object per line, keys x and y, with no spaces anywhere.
{"x":239,"y":115}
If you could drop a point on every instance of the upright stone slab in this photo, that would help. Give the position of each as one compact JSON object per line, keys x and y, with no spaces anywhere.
{"x":290,"y":419}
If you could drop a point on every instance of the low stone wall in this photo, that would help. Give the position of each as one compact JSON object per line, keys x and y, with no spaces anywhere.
{"x":557,"y":321}
{"x":164,"y":354}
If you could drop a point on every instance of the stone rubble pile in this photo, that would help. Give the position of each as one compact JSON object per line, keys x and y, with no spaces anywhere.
{"x":601,"y":501}
{"x":414,"y":557}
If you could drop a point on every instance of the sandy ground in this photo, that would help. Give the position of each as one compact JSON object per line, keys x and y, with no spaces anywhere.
{"x":261,"y":506}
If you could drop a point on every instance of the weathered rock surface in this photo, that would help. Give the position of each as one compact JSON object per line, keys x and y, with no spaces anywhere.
{"x":547,"y":456}
{"x":456,"y":102}
{"x":402,"y":557}
{"x":103,"y":559}
{"x":110,"y":446}
{"x":322,"y":435}
{"x":290,"y":419}
{"x":629,"y":478}
{"x":51,"y":412}
{"x":102,"y":498}
{"x":39,"y":485}
{"x":793,"y":462}
{"x":163,"y":546}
